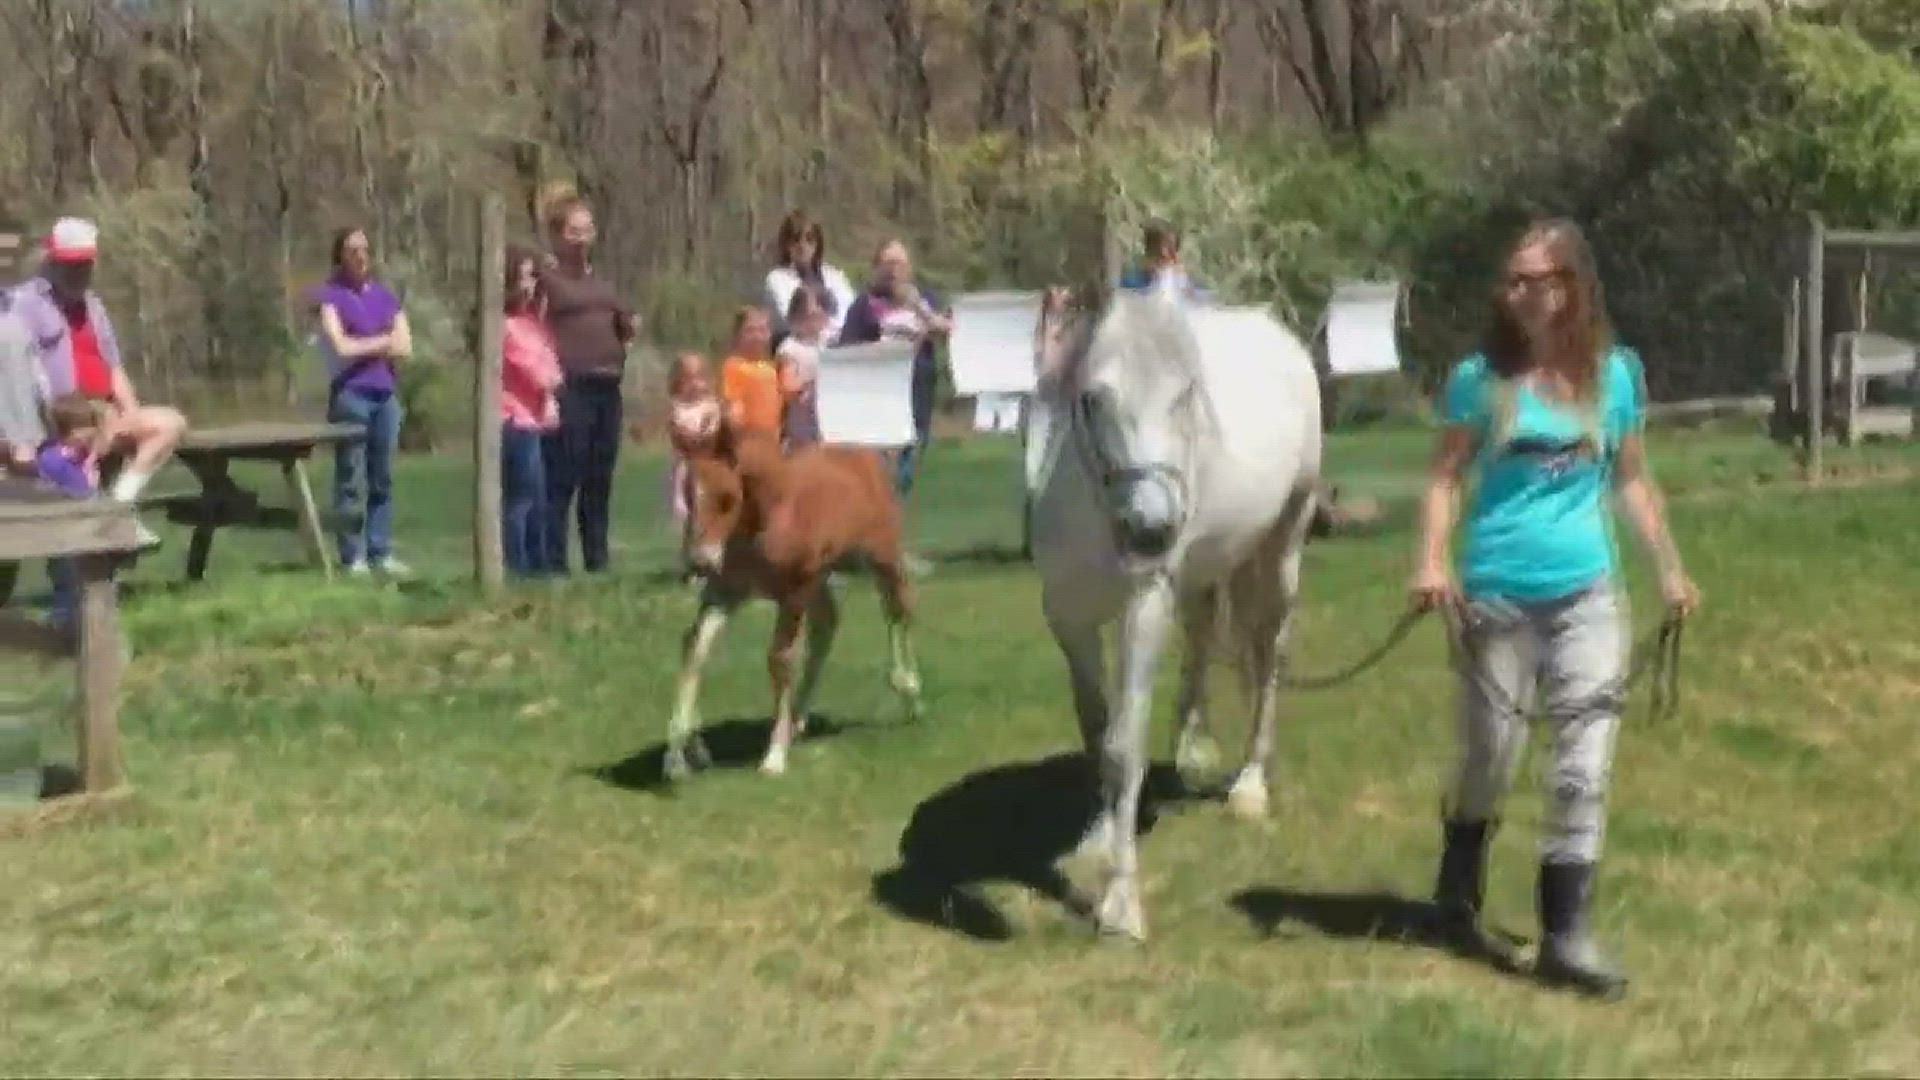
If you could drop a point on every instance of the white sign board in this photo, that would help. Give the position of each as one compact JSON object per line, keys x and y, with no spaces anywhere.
{"x":865,"y":394}
{"x":992,"y":347}
{"x":1361,"y":319}
{"x":997,"y":413}
{"x":23,"y":384}
{"x":1040,"y":450}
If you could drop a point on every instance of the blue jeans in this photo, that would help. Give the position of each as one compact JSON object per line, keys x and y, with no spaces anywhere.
{"x":907,"y":457}
{"x":368,"y":461}
{"x":64,"y":574}
{"x":580,"y":460}
{"x":523,"y":501}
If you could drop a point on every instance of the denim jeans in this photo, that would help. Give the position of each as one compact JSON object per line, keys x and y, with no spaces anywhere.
{"x":367,"y":462}
{"x":64,"y":575}
{"x":523,"y":501}
{"x":580,"y":459}
{"x":1574,"y":652}
{"x":907,"y":459}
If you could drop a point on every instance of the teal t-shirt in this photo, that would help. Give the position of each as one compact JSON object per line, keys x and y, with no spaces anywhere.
{"x":1537,"y":525}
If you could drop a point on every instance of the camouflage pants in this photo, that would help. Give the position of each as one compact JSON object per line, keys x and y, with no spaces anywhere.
{"x":1570,"y":655}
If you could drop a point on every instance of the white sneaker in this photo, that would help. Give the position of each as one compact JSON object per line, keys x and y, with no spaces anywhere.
{"x":145,"y":535}
{"x":915,"y":566}
{"x":392,"y":567}
{"x":357,"y":568}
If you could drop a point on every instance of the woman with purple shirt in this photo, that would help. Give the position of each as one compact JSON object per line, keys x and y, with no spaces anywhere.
{"x":363,"y":331}
{"x":894,"y":307}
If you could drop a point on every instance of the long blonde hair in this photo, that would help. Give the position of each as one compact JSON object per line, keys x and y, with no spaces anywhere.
{"x":1580,"y":340}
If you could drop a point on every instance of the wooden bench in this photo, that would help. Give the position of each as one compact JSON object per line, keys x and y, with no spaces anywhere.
{"x":208,"y":454}
{"x":100,"y":536}
{"x":1861,"y":357}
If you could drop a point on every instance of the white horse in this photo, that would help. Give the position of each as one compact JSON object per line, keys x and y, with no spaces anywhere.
{"x":1180,"y":448}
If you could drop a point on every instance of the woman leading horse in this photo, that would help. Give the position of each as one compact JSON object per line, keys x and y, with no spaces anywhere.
{"x":1543,"y":420}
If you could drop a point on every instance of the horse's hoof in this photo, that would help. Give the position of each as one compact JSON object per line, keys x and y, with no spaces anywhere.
{"x":1120,"y":916}
{"x":1248,"y":798}
{"x":675,"y":766}
{"x":1196,"y":754}
{"x":697,"y":753}
{"x":774,"y":764}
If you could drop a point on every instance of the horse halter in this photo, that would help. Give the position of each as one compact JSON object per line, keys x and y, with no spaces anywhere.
{"x":1105,"y":455}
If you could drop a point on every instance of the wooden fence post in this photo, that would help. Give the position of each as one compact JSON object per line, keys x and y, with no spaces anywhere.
{"x":1814,"y":365}
{"x":1785,"y":427}
{"x":488,"y":569}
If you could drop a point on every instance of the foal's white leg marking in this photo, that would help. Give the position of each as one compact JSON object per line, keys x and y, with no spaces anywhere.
{"x":1194,"y":750}
{"x":823,"y":620}
{"x":683,"y":737}
{"x":1273,"y":595}
{"x":786,"y":641}
{"x":1123,"y":763}
{"x":903,"y":673}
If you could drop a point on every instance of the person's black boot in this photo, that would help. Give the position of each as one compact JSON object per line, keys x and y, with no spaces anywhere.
{"x":1568,"y":956}
{"x":1460,"y":892}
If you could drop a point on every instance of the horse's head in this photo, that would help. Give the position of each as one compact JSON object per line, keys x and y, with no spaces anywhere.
{"x":1133,"y":400}
{"x":728,"y":476}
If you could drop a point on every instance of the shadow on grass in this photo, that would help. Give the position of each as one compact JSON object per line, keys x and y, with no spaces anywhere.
{"x":1365,"y":916}
{"x":733,"y":744}
{"x":58,"y":780}
{"x":1008,"y":823}
{"x":989,"y":555}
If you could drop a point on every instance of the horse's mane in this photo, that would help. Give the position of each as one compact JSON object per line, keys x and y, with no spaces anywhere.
{"x":1143,"y":328}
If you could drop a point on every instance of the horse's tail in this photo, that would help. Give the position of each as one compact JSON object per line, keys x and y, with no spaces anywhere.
{"x":1229,"y":642}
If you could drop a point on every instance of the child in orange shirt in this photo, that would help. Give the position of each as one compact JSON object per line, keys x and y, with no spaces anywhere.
{"x":749,"y":378}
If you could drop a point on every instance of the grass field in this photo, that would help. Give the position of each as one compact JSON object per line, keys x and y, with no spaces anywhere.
{"x":391,"y":830}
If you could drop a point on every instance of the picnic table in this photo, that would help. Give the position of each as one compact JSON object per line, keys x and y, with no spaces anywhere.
{"x":209,"y":452}
{"x":100,"y":536}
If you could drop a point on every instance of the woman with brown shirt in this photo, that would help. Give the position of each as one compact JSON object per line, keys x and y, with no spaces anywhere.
{"x":591,"y":328}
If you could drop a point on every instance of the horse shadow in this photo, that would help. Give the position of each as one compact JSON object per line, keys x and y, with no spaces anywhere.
{"x":734,"y":745}
{"x":1008,"y":823}
{"x":988,"y":555}
{"x":1377,"y":915}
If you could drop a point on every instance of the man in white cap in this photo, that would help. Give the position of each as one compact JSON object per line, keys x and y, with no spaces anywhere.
{"x":79,"y":352}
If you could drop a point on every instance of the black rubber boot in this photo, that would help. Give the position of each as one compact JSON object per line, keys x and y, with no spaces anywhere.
{"x":1568,"y":955}
{"x":1460,"y":892}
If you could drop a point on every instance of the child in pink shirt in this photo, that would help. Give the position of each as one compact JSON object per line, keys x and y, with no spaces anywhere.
{"x":529,"y":408}
{"x":693,"y":424}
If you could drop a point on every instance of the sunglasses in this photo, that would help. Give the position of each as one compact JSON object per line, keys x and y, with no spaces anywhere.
{"x":1540,"y":279}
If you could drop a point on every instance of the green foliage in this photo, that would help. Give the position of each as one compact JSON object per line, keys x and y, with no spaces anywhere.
{"x":436,"y":384}
{"x":691,"y":311}
{"x":1690,"y":146}
{"x":1279,"y":219}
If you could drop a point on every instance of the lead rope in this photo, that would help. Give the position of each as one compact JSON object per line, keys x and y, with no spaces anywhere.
{"x":1394,"y":637}
{"x":1658,"y":654}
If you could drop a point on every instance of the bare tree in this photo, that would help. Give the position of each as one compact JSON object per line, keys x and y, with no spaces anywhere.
{"x":1353,"y":60}
{"x":686,"y":81}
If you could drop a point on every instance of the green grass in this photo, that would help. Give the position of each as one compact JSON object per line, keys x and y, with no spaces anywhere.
{"x":389,"y":831}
